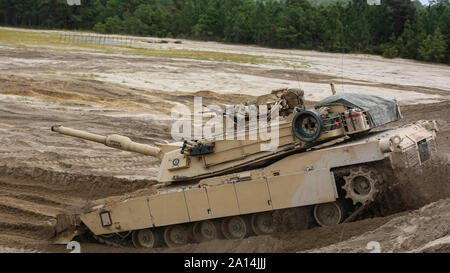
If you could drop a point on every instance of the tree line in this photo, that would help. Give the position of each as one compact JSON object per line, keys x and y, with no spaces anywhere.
{"x":396,"y":28}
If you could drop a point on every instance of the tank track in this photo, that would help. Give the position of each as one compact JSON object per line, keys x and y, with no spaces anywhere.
{"x":283,"y":219}
{"x":117,"y":242}
{"x":114,"y":241}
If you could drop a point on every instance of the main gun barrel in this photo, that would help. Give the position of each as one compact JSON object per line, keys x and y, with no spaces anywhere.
{"x":113,"y":141}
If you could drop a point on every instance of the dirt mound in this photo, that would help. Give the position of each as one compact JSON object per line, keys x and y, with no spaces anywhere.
{"x":416,"y":187}
{"x":85,"y":186}
{"x":423,"y":230}
{"x":72,"y":90}
{"x":33,"y":197}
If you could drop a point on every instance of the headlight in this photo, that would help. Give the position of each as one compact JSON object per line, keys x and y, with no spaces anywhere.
{"x":105,"y":218}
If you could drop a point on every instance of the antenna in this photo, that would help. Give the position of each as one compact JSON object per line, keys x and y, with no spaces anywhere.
{"x":342,"y":57}
{"x":342,"y":69}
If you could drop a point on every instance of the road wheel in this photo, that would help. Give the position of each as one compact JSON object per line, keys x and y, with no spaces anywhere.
{"x":176,"y":236}
{"x":307,"y":125}
{"x":234,"y":227}
{"x":262,"y":223}
{"x":205,"y":231}
{"x":329,"y":214}
{"x":146,"y":238}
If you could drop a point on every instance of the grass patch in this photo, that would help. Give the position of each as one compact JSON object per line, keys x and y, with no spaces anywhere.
{"x":83,"y":76}
{"x":60,"y":42}
{"x":32,"y":39}
{"x":23,"y":37}
{"x":298,"y":64}
{"x":198,"y":55}
{"x":75,"y":75}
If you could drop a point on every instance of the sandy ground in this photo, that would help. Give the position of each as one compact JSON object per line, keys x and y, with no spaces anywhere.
{"x":43,"y":174}
{"x":423,"y":230}
{"x":405,"y":80}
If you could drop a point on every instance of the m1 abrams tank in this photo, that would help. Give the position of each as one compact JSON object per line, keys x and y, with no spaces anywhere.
{"x":327,"y":168}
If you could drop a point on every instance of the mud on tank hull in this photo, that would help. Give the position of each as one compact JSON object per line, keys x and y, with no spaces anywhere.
{"x":330,"y":185}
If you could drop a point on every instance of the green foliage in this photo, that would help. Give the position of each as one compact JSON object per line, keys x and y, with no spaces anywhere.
{"x":434,"y":47}
{"x":390,"y":50}
{"x":396,"y":28}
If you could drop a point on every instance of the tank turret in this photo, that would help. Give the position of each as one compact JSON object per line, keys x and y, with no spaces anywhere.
{"x":297,"y":129}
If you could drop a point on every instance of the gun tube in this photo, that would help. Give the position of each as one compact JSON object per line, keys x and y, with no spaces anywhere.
{"x":113,"y":141}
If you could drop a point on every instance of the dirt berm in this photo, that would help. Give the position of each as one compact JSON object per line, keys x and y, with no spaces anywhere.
{"x":423,"y":230}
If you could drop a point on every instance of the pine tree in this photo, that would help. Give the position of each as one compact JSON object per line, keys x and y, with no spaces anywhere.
{"x":390,"y":49}
{"x":409,"y":47}
{"x":434,"y":47}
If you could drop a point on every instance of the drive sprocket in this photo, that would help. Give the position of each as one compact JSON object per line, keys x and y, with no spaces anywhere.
{"x":362,"y":185}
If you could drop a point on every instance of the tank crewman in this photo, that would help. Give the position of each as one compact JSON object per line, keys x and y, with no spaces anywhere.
{"x":291,"y":98}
